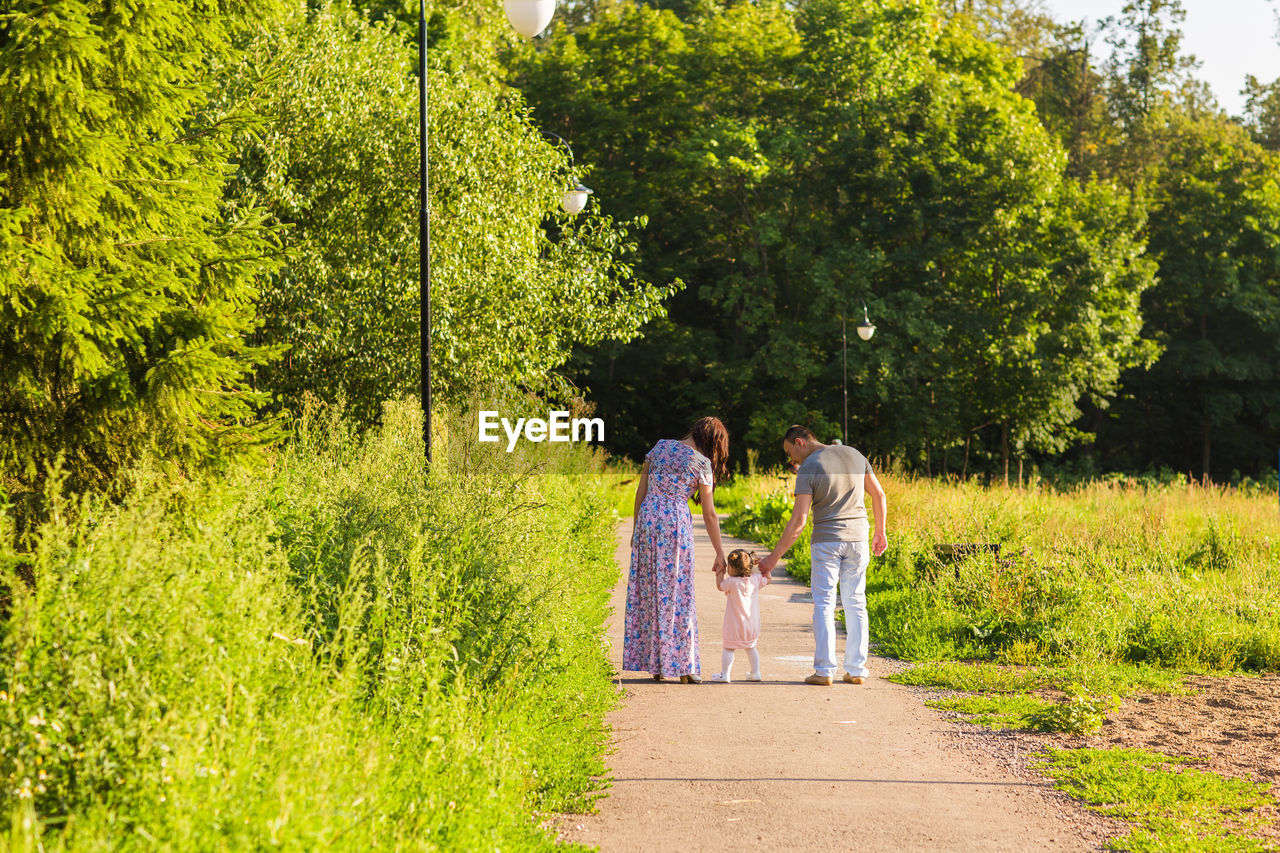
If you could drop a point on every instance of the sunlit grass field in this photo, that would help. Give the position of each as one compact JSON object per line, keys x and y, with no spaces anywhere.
{"x":1177,"y":576}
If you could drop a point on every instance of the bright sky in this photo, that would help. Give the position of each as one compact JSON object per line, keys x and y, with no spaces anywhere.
{"x":1231,"y":38}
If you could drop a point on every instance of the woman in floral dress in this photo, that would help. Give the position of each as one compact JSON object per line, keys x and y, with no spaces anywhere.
{"x":661,"y":625}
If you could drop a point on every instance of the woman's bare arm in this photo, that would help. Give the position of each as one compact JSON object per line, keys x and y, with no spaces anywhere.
{"x":712,"y":522}
{"x":642,"y":488}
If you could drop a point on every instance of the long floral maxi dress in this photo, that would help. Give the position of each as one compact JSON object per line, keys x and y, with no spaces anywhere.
{"x":660,"y":630}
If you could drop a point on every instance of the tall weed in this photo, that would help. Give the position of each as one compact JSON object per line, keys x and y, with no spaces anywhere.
{"x":335,"y":650}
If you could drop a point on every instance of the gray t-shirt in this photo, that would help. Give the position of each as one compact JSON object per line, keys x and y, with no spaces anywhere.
{"x":834,"y":475}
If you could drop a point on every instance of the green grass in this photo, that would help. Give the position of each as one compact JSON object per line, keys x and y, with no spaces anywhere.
{"x":980,"y":677}
{"x":1091,"y":692}
{"x":617,"y":483}
{"x":1079,"y":713}
{"x":761,"y":518}
{"x":1173,"y":807}
{"x":1166,"y":577}
{"x":971,"y":678}
{"x":329,"y":649}
{"x":995,"y":712}
{"x":1119,"y":679}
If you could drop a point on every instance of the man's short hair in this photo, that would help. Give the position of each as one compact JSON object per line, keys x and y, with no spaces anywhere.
{"x":797,"y":431}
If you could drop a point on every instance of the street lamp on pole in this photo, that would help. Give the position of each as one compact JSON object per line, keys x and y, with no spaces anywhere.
{"x":527,"y":17}
{"x":575,"y":197}
{"x":865,"y":331}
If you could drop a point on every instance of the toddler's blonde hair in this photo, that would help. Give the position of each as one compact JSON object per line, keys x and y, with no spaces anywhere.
{"x":741,"y":562}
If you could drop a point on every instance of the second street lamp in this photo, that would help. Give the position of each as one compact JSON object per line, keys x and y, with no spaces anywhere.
{"x":865,"y":328}
{"x":575,"y":197}
{"x":527,"y":17}
{"x":865,"y":331}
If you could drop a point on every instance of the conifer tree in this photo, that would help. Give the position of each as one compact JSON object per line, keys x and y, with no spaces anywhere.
{"x":126,"y":282}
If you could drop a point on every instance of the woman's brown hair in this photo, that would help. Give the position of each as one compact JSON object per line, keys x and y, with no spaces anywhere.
{"x":712,"y":441}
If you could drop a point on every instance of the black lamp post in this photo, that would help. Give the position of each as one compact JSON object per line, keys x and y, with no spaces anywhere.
{"x":528,"y":17}
{"x":424,"y":236}
{"x":865,"y":331}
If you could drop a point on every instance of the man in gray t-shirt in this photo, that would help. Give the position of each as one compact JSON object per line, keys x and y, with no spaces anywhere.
{"x":832,"y":481}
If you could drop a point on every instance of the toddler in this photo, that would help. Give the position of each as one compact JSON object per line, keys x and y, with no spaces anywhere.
{"x":741,"y":612}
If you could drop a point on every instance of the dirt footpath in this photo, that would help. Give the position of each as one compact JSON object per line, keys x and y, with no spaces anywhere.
{"x":786,"y":766}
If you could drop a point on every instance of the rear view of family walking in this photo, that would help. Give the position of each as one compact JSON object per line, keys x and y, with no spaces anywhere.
{"x":661,"y":622}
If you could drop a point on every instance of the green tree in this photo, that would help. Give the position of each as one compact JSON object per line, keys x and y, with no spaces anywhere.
{"x":126,"y":282}
{"x":1024,"y":27}
{"x":515,"y":282}
{"x":1071,"y":98}
{"x":1146,"y":65}
{"x":793,"y":161}
{"x":674,"y":116}
{"x":1211,"y":403}
{"x":1262,"y":112}
{"x":1148,"y":82}
{"x":1204,"y":406}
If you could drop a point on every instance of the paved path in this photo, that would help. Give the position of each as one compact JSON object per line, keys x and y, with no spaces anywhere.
{"x":785,"y":766}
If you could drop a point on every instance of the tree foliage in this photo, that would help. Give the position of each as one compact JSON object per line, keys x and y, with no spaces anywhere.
{"x":207,"y":212}
{"x":204,"y":207}
{"x":1215,"y":232}
{"x":127,"y":283}
{"x":515,"y":282}
{"x":1208,"y":190}
{"x":795,"y":161}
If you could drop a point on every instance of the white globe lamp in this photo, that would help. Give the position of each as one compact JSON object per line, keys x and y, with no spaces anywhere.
{"x":529,"y":17}
{"x":575,"y":199}
{"x":865,"y":328}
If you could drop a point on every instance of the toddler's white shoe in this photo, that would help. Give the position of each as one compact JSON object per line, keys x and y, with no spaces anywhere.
{"x":720,"y":678}
{"x":755,"y":676}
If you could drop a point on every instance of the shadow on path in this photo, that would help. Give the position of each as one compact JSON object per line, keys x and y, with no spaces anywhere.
{"x":718,"y":779}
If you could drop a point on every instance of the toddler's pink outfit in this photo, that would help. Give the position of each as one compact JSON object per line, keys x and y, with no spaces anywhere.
{"x":741,"y":622}
{"x":742,"y":610}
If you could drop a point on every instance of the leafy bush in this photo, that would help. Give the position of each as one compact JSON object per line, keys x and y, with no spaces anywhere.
{"x":1080,"y":713}
{"x":335,"y":650}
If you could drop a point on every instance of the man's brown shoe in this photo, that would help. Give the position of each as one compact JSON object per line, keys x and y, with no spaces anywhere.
{"x":824,"y":680}
{"x":853,"y":679}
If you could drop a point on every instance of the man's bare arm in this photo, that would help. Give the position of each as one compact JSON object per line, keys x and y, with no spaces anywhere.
{"x":879,"y":506}
{"x":799,"y":515}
